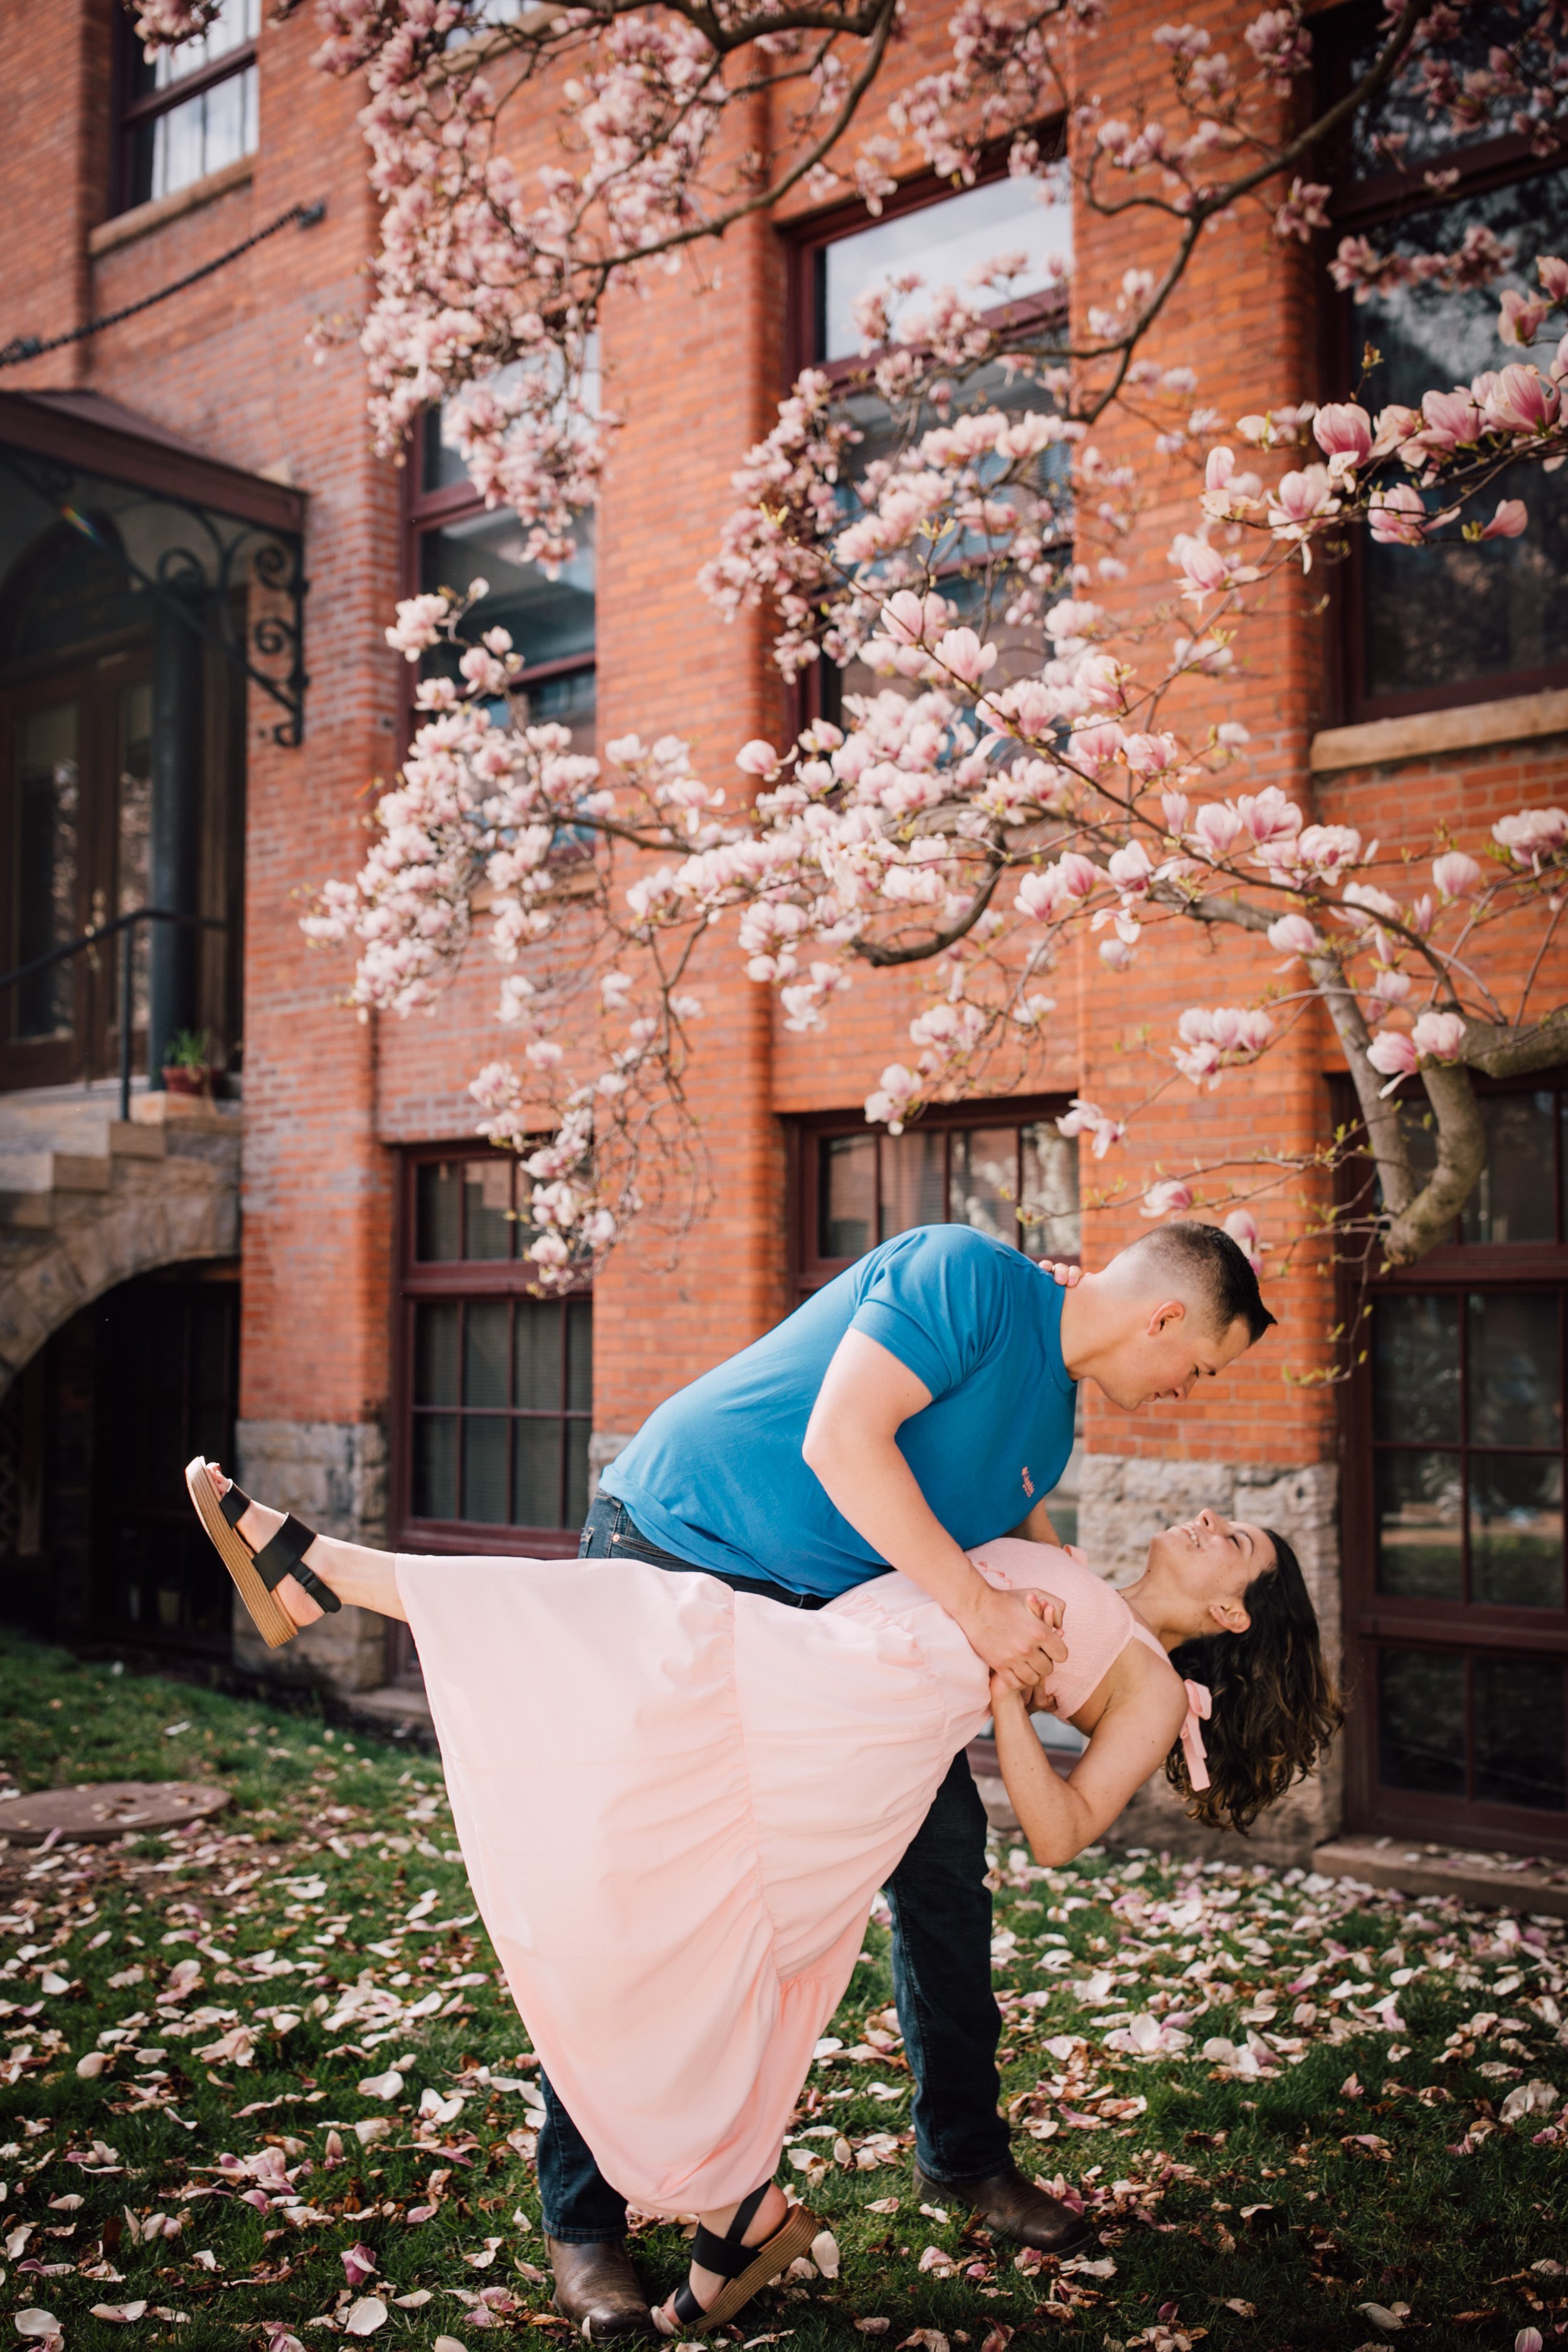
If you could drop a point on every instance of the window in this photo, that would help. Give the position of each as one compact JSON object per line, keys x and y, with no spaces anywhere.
{"x":191,"y":110}
{"x":455,"y":540}
{"x":1457,"y":1603}
{"x":943,"y":238}
{"x":496,"y":1386}
{"x":925,"y":227}
{"x":1425,"y":628}
{"x":1001,"y":1167}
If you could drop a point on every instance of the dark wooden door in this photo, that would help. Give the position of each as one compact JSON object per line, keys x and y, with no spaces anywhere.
{"x":75,"y":798}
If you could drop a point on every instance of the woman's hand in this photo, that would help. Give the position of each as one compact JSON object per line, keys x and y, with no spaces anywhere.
{"x":1017,"y":1633}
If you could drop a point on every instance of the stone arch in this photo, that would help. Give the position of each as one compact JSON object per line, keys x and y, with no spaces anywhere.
{"x":133,"y":1231}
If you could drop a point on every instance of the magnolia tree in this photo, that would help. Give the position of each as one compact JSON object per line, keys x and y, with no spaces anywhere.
{"x":1046,"y":758}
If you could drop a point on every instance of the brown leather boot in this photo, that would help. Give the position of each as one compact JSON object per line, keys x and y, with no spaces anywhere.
{"x":1007,"y":2203}
{"x":596,"y":2289}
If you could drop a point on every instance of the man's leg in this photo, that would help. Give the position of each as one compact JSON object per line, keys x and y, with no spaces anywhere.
{"x":579,"y":2207}
{"x":941,"y":1982}
{"x":950,"y":2021}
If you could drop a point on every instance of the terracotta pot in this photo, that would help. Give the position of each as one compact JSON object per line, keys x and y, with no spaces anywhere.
{"x":179,"y":1080}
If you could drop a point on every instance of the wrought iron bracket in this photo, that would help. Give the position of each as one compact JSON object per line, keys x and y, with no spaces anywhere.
{"x":200,"y":583}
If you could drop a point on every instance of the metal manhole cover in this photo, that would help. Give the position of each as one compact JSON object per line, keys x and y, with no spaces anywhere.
{"x":97,"y":1810}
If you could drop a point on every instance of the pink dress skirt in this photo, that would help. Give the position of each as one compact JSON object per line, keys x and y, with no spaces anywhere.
{"x":676,"y":1803}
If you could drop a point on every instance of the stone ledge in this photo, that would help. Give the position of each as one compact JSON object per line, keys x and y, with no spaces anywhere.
{"x":142,"y":220}
{"x":1496,"y":1883}
{"x":1514,"y":720}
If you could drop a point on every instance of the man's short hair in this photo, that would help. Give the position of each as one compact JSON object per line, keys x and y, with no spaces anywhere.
{"x":1210,"y":1269}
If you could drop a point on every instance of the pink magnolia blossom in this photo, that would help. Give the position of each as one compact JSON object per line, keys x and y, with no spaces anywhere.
{"x":1533,"y":834}
{"x":1342,"y":429}
{"x":1439,"y":1037}
{"x":1174,"y":807}
{"x":1047,"y":893}
{"x":1393,"y":1054}
{"x":1552,"y":273}
{"x":1521,"y":318}
{"x":1170,"y":1199}
{"x":892,"y":1098}
{"x":961,"y":651}
{"x":1216,"y":828}
{"x":1087,"y":1118}
{"x":1300,"y":503}
{"x":757,"y":758}
{"x":1510,"y":521}
{"x":1519,"y":399}
{"x":1397,"y":516}
{"x":1202,"y":567}
{"x":1457,"y":875}
{"x":1242,"y":1227}
{"x":1130,"y":868}
{"x":1293,"y":935}
{"x":1451,"y":420}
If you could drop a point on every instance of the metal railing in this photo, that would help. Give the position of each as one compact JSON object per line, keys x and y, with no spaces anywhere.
{"x":126,"y":926}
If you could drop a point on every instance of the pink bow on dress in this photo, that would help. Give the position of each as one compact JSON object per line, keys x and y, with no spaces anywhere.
{"x":1200,"y":1707}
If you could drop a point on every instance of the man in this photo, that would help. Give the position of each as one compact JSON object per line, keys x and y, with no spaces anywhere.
{"x":920,"y":1404}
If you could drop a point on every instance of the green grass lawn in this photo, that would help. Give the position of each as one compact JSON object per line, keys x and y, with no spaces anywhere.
{"x":1341,"y":2125}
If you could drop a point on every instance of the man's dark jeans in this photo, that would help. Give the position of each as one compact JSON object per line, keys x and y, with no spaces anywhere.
{"x":941,"y":1979}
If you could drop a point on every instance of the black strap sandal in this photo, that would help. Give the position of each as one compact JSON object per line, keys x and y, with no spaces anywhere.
{"x":257,"y":1574}
{"x":745,"y":2269}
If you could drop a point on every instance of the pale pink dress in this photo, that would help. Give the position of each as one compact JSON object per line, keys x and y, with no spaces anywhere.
{"x":677,"y":1802}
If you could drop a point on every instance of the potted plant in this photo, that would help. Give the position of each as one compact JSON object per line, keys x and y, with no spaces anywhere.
{"x":187,"y":1067}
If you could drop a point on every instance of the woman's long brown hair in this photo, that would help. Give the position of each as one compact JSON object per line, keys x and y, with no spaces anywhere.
{"x":1275,"y":1704}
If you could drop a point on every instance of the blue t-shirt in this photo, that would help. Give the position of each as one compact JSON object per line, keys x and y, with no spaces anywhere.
{"x":716,"y":1474}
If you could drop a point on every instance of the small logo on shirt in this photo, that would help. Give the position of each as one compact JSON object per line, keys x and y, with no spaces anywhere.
{"x":1029,"y":1482}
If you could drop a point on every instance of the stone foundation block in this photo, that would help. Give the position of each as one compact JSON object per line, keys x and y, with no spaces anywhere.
{"x":331,"y":1475}
{"x":1123,"y":1501}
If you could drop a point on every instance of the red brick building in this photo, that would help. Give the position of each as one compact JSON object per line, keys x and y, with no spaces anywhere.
{"x":315,"y":1276}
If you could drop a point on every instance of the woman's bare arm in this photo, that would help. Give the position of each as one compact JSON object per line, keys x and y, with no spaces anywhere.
{"x":1140,"y":1718}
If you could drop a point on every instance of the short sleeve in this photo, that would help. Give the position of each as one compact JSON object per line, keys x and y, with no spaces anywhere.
{"x":937,"y":1301}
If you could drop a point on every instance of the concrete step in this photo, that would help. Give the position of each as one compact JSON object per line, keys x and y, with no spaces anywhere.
{"x":1496,"y":1882}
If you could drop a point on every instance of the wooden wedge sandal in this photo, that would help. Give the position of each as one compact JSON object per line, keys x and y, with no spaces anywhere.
{"x":745,"y":2269}
{"x":257,"y":1574}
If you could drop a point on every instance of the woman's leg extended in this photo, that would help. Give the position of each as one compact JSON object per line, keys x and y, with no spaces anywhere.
{"x":364,"y":1579}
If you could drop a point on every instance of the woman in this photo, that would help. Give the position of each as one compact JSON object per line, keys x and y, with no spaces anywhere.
{"x":676,"y":1801}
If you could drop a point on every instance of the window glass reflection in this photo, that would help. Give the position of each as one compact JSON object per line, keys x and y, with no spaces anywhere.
{"x":1048,"y":1196}
{"x":1516,"y":1530}
{"x":435,"y":1355}
{"x":944,"y":241}
{"x":848,"y":1195}
{"x":1421,"y":1722}
{"x":549,"y":620}
{"x":1451,"y":612}
{"x":1420,"y":1526}
{"x":438,"y":1210}
{"x":1522,"y":1757}
{"x":1514,"y":1393}
{"x":983,"y":1185}
{"x":913,"y":1180}
{"x":487,"y":1198}
{"x":1515,"y":1199}
{"x":1416,"y":1370}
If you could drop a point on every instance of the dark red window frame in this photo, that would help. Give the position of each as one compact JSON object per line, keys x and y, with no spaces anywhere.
{"x":809,"y":1130}
{"x":425,"y":510}
{"x":132,"y":111}
{"x":1359,"y":205}
{"x":1375,"y":1622}
{"x":446,"y":1281}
